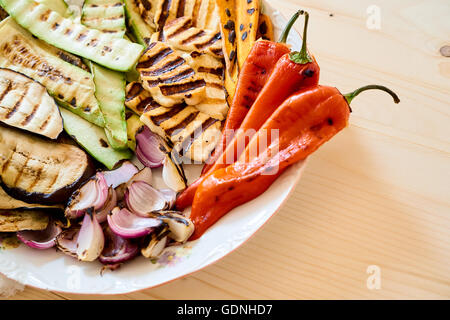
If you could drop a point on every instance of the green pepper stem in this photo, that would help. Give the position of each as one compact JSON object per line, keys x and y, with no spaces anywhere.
{"x":350,"y":96}
{"x":288,"y":28}
{"x":303,"y":56}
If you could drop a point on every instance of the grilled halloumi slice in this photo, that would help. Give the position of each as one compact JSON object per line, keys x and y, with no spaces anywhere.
{"x":207,"y":16}
{"x":212,"y":71}
{"x":193,"y":133}
{"x":138,"y":99}
{"x":168,"y":77}
{"x":147,"y":10}
{"x":25,"y":104}
{"x":202,"y":12}
{"x":180,"y":35}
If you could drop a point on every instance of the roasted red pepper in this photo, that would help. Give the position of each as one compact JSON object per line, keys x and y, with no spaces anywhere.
{"x":294,"y":71}
{"x":305,"y":121}
{"x":254,"y":74}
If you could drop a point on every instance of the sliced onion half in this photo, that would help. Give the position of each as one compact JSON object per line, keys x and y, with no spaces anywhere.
{"x":171,"y":197}
{"x":66,"y":241}
{"x":110,"y":204}
{"x":142,"y":199}
{"x":90,"y":240}
{"x":43,"y":239}
{"x":145,"y":175}
{"x":117,"y":249}
{"x":128,"y":225}
{"x":173,"y":175}
{"x":150,"y":148}
{"x":93,"y":194}
{"x":120,"y":175}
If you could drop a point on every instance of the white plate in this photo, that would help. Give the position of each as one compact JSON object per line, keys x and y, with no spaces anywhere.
{"x":51,"y":270}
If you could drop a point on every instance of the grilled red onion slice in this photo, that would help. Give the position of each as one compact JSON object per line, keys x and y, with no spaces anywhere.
{"x":150,"y":148}
{"x":43,"y":239}
{"x":142,"y":199}
{"x":156,"y":245}
{"x":128,"y":225}
{"x":170,"y":195}
{"x":173,"y":175}
{"x":120,"y":175}
{"x":110,"y":204}
{"x":66,"y":241}
{"x":117,"y":249}
{"x":90,"y":240}
{"x":93,"y":194}
{"x":144,"y":175}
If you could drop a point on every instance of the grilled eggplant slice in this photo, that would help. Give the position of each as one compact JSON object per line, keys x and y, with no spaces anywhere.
{"x":9,"y":203}
{"x":25,"y":104}
{"x":212,"y":71}
{"x":72,"y":87}
{"x":93,"y":139}
{"x":107,"y":16}
{"x":36,"y":170}
{"x":247,"y":18}
{"x":140,"y":28}
{"x":180,"y":35}
{"x":19,"y":220}
{"x":66,"y":34}
{"x":168,"y":78}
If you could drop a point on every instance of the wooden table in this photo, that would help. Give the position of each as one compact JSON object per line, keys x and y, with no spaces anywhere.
{"x":376,"y":200}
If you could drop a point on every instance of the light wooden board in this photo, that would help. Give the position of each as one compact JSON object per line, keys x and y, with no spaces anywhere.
{"x":378,"y":194}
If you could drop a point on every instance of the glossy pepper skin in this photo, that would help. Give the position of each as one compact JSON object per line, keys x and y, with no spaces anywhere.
{"x":252,"y":77}
{"x":292,"y":72}
{"x":305,"y":122}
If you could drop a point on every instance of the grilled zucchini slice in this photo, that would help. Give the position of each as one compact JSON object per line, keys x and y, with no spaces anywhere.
{"x":25,"y":104}
{"x":168,"y":77}
{"x":107,"y":16}
{"x":110,"y":93}
{"x":93,"y":139}
{"x":37,"y":170}
{"x":140,"y":28}
{"x":134,"y":124}
{"x":71,"y":86}
{"x":59,"y":6}
{"x":66,"y":34}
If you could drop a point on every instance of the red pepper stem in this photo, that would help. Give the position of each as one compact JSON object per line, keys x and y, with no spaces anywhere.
{"x":350,"y":96}
{"x":288,"y":28}
{"x":303,"y":56}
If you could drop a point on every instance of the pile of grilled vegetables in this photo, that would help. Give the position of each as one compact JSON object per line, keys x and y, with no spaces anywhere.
{"x":85,"y":93}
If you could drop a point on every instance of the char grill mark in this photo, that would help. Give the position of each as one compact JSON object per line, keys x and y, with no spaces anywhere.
{"x":182,"y":88}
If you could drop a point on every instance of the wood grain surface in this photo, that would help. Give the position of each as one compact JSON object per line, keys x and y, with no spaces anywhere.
{"x":376,"y":195}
